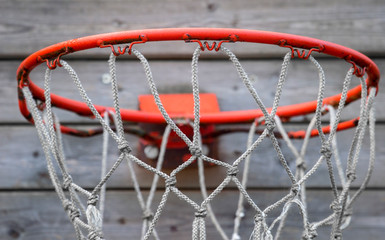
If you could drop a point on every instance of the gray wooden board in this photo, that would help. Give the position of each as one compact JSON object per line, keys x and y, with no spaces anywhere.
{"x":219,"y":77}
{"x":29,"y":26}
{"x":23,"y":165}
{"x":39,"y":215}
{"x":29,"y":209}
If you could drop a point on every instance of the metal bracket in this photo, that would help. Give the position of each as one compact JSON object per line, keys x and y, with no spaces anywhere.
{"x":53,"y":63}
{"x":206,"y":45}
{"x":300,"y":53}
{"x":359,"y":72}
{"x":119,"y":50}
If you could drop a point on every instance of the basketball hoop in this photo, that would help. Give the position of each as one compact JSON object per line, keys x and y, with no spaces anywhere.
{"x":186,"y":126}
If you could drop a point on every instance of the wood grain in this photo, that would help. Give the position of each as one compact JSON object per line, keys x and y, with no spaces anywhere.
{"x":24,"y":166}
{"x":28,"y":27}
{"x":39,"y":215}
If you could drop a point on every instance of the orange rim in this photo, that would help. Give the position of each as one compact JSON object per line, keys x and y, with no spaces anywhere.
{"x":51,"y":56}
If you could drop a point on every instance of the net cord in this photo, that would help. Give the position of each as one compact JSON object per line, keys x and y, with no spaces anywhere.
{"x":47,"y":125}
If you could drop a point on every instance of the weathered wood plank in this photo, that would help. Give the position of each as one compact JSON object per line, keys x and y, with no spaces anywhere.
{"x":219,"y":77}
{"x":24,"y":167}
{"x":39,"y":215}
{"x":358,"y":24}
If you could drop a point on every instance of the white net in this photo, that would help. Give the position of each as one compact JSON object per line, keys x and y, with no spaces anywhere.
{"x":87,"y":219}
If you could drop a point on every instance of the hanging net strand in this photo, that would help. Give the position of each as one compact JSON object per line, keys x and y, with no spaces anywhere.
{"x":86,"y":209}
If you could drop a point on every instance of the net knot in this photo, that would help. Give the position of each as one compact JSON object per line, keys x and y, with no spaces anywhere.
{"x":147,"y":214}
{"x":338,"y":235}
{"x":240,"y":213}
{"x":270,"y":124}
{"x":232,"y":171}
{"x":348,"y":212}
{"x":310,"y":233}
{"x":73,"y":211}
{"x":67,"y":182}
{"x":302,"y":165}
{"x":295,"y":189}
{"x":351,"y":175}
{"x":201,"y":213}
{"x":123,"y":146}
{"x":95,"y":235}
{"x":195,"y":151}
{"x":336,"y":206}
{"x":259,"y":217}
{"x":171,"y":181}
{"x":92,"y":200}
{"x":326,"y":151}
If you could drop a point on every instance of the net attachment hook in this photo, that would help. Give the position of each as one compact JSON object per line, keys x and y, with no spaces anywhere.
{"x":52,"y":63}
{"x":359,"y":72}
{"x":121,"y":50}
{"x":215,"y":45}
{"x":300,"y":53}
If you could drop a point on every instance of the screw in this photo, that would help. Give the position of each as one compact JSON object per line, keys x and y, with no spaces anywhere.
{"x":106,"y":79}
{"x":151,"y":151}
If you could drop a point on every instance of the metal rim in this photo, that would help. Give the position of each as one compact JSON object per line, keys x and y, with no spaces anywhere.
{"x":51,"y":55}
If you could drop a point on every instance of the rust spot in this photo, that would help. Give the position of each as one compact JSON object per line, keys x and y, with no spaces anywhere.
{"x":22,"y":75}
{"x":355,"y":122}
{"x":44,"y":175}
{"x":54,"y":54}
{"x":237,"y":153}
{"x":35,"y":154}
{"x":20,"y":95}
{"x":13,"y":233}
{"x":122,"y":221}
{"x":230,"y":38}
{"x":246,"y":206}
{"x":122,"y":41}
{"x":212,"y":7}
{"x":29,"y":117}
{"x":173,"y":228}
